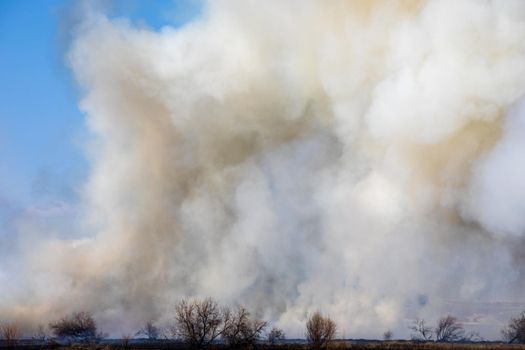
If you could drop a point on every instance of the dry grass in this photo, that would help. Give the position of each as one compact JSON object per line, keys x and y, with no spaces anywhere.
{"x":399,"y":345}
{"x":335,"y":345}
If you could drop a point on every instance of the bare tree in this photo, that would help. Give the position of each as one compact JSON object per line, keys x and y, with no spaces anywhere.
{"x":421,"y":332}
{"x":149,"y":331}
{"x":78,"y":326}
{"x":388,"y":335}
{"x":320,"y":330}
{"x":275,"y":335}
{"x":9,"y":333}
{"x":40,"y":334}
{"x":125,"y":338}
{"x":240,"y":330}
{"x":514,"y":332}
{"x":448,"y":330}
{"x":199,"y":322}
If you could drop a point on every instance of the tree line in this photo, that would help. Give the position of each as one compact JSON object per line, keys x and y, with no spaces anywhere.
{"x":199,"y":323}
{"x":448,"y":329}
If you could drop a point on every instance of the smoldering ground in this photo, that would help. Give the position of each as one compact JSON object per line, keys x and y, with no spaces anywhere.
{"x":363,"y":158}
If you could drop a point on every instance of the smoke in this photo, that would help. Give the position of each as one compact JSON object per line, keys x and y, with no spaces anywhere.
{"x":362,"y":158}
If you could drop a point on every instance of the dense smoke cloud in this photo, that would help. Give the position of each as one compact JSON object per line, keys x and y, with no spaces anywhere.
{"x":362,"y":158}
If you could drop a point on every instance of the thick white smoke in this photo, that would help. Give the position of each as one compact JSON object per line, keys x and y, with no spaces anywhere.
{"x":363,"y":158}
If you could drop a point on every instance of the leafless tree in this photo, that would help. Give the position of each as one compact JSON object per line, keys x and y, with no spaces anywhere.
{"x":448,"y":329}
{"x":421,"y":332}
{"x":125,"y":338}
{"x":388,"y":335}
{"x":149,"y":331}
{"x":320,"y":330}
{"x":78,"y":326}
{"x":514,"y":332}
{"x":240,"y":330}
{"x":40,"y":334}
{"x":275,"y":335}
{"x":199,"y":322}
{"x":9,"y":333}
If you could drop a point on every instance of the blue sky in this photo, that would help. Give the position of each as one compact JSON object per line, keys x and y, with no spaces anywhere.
{"x":41,"y":128}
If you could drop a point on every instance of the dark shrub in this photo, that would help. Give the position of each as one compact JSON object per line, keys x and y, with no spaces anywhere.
{"x":78,"y":326}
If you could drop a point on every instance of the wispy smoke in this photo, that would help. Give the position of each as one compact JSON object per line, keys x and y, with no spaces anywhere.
{"x":363,"y":158}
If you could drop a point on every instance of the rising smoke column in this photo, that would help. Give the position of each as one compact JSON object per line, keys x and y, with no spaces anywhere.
{"x":357,"y":157}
